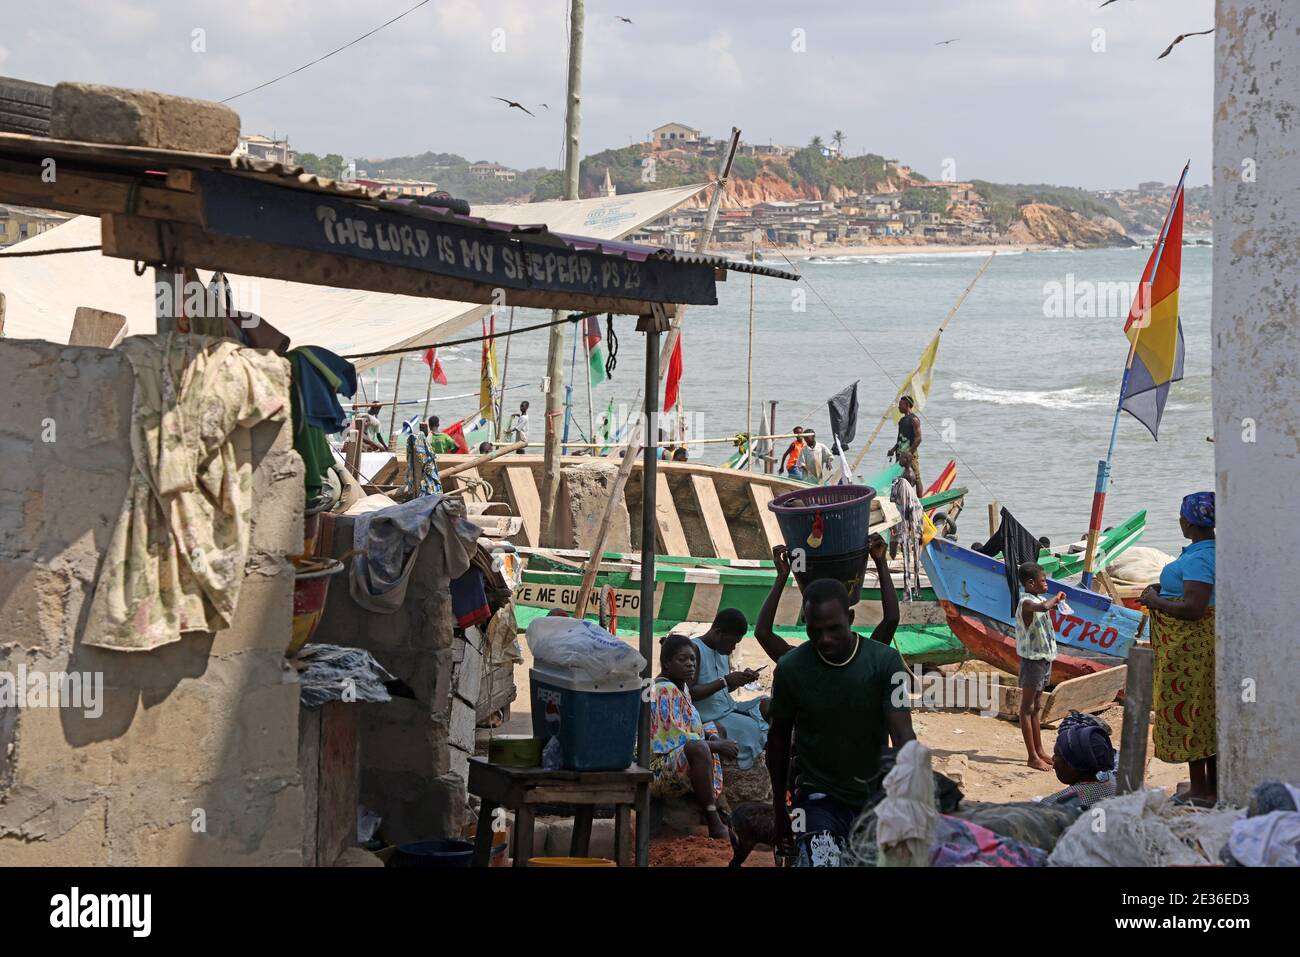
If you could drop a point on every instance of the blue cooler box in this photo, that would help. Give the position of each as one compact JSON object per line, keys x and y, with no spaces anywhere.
{"x":594,"y":720}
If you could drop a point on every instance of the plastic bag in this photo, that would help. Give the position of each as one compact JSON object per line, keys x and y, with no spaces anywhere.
{"x":583,"y":649}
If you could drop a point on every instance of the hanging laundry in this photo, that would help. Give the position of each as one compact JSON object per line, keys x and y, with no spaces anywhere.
{"x":320,"y":378}
{"x":469,"y":603}
{"x":175,"y":561}
{"x":1017,"y":546}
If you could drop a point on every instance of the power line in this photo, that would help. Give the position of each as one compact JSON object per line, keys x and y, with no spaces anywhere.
{"x":573,"y":317}
{"x":50,"y":252}
{"x":327,"y":55}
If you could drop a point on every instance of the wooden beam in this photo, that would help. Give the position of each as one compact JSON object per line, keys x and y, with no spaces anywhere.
{"x":478,"y":460}
{"x":73,"y":192}
{"x":1086,"y":693}
{"x":131,"y":237}
{"x":606,"y":521}
{"x":760,"y":495}
{"x":715,"y":522}
{"x":95,"y":327}
{"x":1138,"y":688}
{"x":671,"y":536}
{"x":522,"y":489}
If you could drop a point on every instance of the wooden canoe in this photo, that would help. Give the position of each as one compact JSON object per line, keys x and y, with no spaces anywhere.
{"x":986,"y":640}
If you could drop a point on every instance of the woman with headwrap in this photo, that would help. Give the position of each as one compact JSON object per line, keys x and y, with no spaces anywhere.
{"x":1084,"y":760}
{"x":1182,"y":636}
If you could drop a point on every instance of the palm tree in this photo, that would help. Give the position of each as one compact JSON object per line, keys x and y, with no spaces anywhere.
{"x":816,"y":143}
{"x":838,"y":140}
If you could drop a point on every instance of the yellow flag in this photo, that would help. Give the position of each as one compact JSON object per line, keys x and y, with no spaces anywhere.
{"x":917,"y":385}
{"x":488,"y":377}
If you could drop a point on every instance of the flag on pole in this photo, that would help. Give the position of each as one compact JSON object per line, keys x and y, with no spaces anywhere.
{"x":435,"y":366}
{"x":1153,"y":328}
{"x":488,"y":371}
{"x":457,"y":434}
{"x":673,"y":384}
{"x":945,"y":479}
{"x":595,"y":350}
{"x":917,"y":384}
{"x":843,"y":408}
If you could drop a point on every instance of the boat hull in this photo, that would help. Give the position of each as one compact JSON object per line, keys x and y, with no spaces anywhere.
{"x":987,"y":642}
{"x":975,"y":582}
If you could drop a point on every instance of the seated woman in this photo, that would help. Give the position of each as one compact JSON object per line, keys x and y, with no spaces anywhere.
{"x":744,"y":722}
{"x":1084,"y":759}
{"x":684,"y":750}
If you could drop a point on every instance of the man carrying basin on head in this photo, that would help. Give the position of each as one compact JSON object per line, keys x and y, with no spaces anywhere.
{"x":839,"y":689}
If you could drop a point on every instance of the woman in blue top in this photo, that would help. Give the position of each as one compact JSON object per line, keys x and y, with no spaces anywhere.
{"x":1182,"y":636}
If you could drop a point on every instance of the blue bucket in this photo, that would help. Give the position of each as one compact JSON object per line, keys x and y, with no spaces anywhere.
{"x":445,"y":853}
{"x":845,"y":512}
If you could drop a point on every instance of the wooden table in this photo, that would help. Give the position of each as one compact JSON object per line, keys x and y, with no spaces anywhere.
{"x":522,"y":789}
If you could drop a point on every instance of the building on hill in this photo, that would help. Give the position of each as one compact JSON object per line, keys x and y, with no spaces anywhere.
{"x":492,"y":171}
{"x":607,"y":189}
{"x":403,"y":187}
{"x":257,"y":146}
{"x":23,"y":222}
{"x":674,"y":134}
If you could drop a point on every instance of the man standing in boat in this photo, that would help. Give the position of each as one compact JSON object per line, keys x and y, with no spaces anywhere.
{"x":909,"y":441}
{"x":816,"y":459}
{"x":518,"y":427}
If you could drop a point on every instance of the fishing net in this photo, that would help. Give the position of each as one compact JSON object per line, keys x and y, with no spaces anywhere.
{"x":1144,"y":829}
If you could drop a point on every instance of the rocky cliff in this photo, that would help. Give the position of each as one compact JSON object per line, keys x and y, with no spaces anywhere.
{"x":1040,"y":223}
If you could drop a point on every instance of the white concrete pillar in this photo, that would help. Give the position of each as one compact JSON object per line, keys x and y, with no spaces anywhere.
{"x":1256,"y":384}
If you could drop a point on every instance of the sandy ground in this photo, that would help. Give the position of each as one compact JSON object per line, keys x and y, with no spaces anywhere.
{"x":986,"y":755}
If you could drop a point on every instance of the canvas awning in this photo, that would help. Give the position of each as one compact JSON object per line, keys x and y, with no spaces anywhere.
{"x":42,"y":293}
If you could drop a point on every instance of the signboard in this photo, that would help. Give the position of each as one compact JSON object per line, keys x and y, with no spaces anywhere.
{"x":243,"y":208}
{"x":538,"y":595}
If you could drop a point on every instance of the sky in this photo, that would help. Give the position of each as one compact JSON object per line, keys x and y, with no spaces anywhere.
{"x":1032,"y":91}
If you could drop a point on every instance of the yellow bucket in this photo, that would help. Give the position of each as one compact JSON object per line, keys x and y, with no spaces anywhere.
{"x":570,"y":862}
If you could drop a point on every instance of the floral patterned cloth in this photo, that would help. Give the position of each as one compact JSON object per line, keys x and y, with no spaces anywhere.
{"x":175,"y":561}
{"x":674,"y":723}
{"x":421,"y":461}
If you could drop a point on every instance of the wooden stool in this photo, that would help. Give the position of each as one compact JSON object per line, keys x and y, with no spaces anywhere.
{"x":522,"y":789}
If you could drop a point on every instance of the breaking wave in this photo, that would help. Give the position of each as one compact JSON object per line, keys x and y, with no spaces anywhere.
{"x":1076,"y":398}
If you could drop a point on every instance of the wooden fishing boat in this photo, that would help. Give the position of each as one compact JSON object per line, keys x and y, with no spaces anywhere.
{"x":988,"y":641}
{"x":974,"y":582}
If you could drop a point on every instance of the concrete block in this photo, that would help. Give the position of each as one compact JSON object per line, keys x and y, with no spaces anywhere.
{"x":584,"y":496}
{"x":559,"y":837}
{"x":467,"y":677}
{"x":106,"y":114}
{"x":34,"y":606}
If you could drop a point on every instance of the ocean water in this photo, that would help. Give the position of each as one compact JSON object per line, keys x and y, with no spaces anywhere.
{"x":1023,"y":401}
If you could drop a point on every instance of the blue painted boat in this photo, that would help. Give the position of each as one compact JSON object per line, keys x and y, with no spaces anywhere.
{"x":978,"y":583}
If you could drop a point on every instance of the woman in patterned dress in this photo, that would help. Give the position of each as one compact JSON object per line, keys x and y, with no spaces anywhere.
{"x":1182,"y":636}
{"x":684,"y":750}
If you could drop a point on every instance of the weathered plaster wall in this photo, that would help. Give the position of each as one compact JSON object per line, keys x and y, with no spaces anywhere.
{"x":203,"y":730}
{"x":1256,"y":376}
{"x":414,"y":752}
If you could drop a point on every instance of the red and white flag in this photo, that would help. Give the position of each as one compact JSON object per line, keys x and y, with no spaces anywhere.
{"x":431,"y":360}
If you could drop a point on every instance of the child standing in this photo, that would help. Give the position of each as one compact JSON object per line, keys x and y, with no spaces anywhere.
{"x":1036,"y":646}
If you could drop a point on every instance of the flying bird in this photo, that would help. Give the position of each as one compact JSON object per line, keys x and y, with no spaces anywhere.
{"x":1180,"y":38}
{"x":543,"y":106}
{"x":624,"y":19}
{"x":944,"y":43}
{"x":513,"y":105}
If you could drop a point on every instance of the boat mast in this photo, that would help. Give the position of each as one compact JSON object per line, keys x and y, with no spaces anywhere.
{"x":749,"y":379}
{"x":550,"y":489}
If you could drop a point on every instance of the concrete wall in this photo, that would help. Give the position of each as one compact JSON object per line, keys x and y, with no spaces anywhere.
{"x":202,"y":731}
{"x":1256,"y":378}
{"x":414,"y":752}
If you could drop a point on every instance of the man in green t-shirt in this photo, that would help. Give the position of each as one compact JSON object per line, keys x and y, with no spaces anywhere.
{"x":838,"y":689}
{"x":440,"y":442}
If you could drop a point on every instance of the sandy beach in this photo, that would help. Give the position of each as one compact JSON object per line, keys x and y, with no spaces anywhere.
{"x":880,"y":249}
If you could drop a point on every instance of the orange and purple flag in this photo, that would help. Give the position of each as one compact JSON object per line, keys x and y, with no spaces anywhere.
{"x":1154,"y":327}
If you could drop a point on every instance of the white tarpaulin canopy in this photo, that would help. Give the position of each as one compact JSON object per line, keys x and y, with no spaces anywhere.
{"x":42,"y":293}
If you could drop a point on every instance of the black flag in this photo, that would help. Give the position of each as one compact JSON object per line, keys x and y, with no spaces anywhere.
{"x":844,"y":415}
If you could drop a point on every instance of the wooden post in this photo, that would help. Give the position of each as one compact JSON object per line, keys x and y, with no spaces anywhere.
{"x":1138,"y":689}
{"x":606,"y":520}
{"x":771,"y":429}
{"x":550,"y":490}
{"x":749,"y":378}
{"x":352,"y":451}
{"x":995,"y":518}
{"x":392,"y":418}
{"x":169,"y":305}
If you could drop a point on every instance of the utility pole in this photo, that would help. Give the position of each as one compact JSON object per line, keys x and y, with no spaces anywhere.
{"x":550,"y":490}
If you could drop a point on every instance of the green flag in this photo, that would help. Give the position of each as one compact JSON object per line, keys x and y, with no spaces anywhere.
{"x":596,"y":360}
